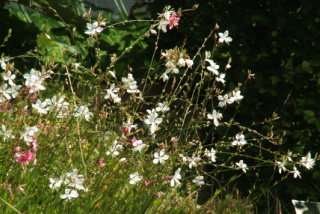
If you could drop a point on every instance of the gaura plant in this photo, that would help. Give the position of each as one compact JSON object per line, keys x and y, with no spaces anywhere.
{"x":119,"y":143}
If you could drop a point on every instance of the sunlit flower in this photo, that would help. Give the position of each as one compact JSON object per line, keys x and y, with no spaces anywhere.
{"x":224,"y":100}
{"x":3,"y":62}
{"x":138,"y":145}
{"x":152,"y":120}
{"x":193,"y":161}
{"x":224,"y":37}
{"x":239,"y":141}
{"x":111,"y":94}
{"x":135,"y":177}
{"x":281,"y":164}
{"x":221,"y":77}
{"x":215,"y":117}
{"x":198,"y":181}
{"x":130,"y":84}
{"x":114,"y":149}
{"x":307,"y":161}
{"x":14,"y":90}
{"x":176,"y":178}
{"x":69,"y":194}
{"x":28,"y":134}
{"x":6,"y":133}
{"x":5,"y":91}
{"x":296,"y":173}
{"x":189,"y":62}
{"x":237,"y":96}
{"x":9,"y":77}
{"x":55,"y":183}
{"x":242,"y":166}
{"x":213,"y":67}
{"x":40,"y":107}
{"x":83,"y":111}
{"x":211,"y":154}
{"x":160,"y":157}
{"x":93,"y":28}
{"x":162,"y":107}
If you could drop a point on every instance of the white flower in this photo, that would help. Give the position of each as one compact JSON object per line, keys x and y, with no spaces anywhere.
{"x":221,"y":77}
{"x":69,"y":194}
{"x":189,"y":62}
{"x":307,"y":161}
{"x":162,"y":107}
{"x":111,"y":94}
{"x":296,"y":173}
{"x":129,"y":125}
{"x":59,"y":105}
{"x":135,"y":177}
{"x":122,"y":160}
{"x":138,"y":145}
{"x":224,"y":100}
{"x":34,"y":80}
{"x":14,"y":90}
{"x":281,"y":166}
{"x":239,"y":141}
{"x":77,"y":183}
{"x":28,"y":134}
{"x":114,"y":149}
{"x":152,"y":120}
{"x":215,"y":117}
{"x":193,"y":161}
{"x":163,"y":25}
{"x":74,"y":174}
{"x":82,"y":111}
{"x":160,"y":158}
{"x":55,"y":183}
{"x":3,"y":63}
{"x":9,"y":77}
{"x":224,"y":37}
{"x":198,"y":180}
{"x":242,"y":166}
{"x":5,"y":91}
{"x":164,"y":77}
{"x":93,"y":28}
{"x":40,"y":106}
{"x":130,"y":84}
{"x":7,"y":133}
{"x":181,"y":62}
{"x":176,"y":178}
{"x":237,"y":96}
{"x":211,"y":154}
{"x":213,"y":67}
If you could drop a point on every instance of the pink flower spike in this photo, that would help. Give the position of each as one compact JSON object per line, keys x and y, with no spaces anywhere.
{"x":34,"y":144}
{"x":134,"y":139}
{"x":101,"y":162}
{"x":21,"y":189}
{"x":25,"y":158}
{"x":126,"y":129}
{"x":173,"y":20}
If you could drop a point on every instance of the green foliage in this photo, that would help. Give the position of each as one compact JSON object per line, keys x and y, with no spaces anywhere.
{"x":278,"y":41}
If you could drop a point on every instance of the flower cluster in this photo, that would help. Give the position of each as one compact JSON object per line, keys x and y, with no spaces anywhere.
{"x":175,"y":59}
{"x":168,"y":18}
{"x":70,"y":180}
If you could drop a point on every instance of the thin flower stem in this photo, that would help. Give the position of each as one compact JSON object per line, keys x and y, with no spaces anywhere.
{"x":12,"y":207}
{"x":78,"y":123}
